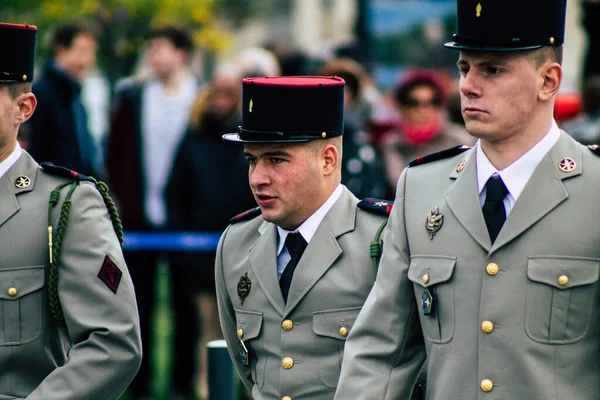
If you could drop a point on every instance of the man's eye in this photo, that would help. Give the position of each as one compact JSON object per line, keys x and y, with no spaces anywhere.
{"x":251,"y":161}
{"x":493,"y":71}
{"x":276,"y":160}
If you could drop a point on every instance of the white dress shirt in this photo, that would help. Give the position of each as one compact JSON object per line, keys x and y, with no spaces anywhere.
{"x":10,"y":160}
{"x":307,"y":229}
{"x":516,"y":175}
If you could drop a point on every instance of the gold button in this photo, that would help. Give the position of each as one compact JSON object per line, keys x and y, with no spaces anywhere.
{"x":563,"y":280}
{"x":487,"y":385}
{"x":240,"y":332}
{"x":492,"y":268}
{"x":12,"y":291}
{"x":487,"y":326}
{"x":287,"y":325}
{"x":287,"y":363}
{"x":343,"y":331}
{"x":286,"y":398}
{"x":425,"y":278}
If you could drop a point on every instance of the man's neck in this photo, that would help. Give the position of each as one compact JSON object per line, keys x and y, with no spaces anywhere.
{"x":172,"y":82}
{"x":503,"y":153}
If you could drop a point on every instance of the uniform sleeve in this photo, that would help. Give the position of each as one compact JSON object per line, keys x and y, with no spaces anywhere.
{"x":100,"y":313}
{"x":385,"y":349}
{"x":227,"y":317}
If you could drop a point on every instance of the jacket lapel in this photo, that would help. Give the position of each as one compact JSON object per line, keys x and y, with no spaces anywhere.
{"x":544,"y":190}
{"x":263,"y":259}
{"x":463,"y":197}
{"x":323,"y":249}
{"x":24,"y":167}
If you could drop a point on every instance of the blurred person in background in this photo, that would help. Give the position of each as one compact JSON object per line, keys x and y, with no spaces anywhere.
{"x":208,"y":184}
{"x":361,"y":170}
{"x":586,"y":128}
{"x":148,"y":123}
{"x":257,"y":61}
{"x":423,"y":126}
{"x":58,"y":131}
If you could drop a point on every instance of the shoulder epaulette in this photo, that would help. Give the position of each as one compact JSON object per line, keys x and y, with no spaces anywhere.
{"x":65,"y":172}
{"x":595,"y":149}
{"x":440,"y":155}
{"x":246,"y":215}
{"x":376,"y":206}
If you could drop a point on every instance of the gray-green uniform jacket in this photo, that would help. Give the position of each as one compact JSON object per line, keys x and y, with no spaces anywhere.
{"x":96,"y":353}
{"x":295,"y":349}
{"x":518,"y":320}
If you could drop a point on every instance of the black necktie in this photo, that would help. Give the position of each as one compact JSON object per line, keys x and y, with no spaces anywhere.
{"x":295,"y":245}
{"x":493,"y":208}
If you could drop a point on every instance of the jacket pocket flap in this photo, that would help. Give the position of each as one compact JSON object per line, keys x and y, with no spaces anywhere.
{"x":563,"y":272}
{"x":335,"y":323}
{"x":18,"y":282}
{"x":250,"y":323}
{"x":429,"y":271}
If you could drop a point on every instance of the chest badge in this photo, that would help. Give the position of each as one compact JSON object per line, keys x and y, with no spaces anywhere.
{"x":427,"y":302}
{"x":22,"y":182}
{"x":434,"y":222}
{"x":243,"y":287}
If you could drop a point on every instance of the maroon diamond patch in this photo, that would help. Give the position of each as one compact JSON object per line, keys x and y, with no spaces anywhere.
{"x":110,"y":274}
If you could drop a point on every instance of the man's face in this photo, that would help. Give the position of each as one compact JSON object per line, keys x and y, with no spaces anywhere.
{"x":163,"y":57}
{"x":286,"y":181}
{"x":498,"y":92}
{"x":78,"y":59}
{"x":9,"y":122}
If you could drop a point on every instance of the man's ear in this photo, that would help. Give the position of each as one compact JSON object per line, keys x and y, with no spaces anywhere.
{"x":551,"y":75}
{"x":331,"y":159}
{"x":26,"y":103}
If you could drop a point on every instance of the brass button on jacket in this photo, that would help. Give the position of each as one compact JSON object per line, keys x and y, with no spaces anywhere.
{"x":563,"y":280}
{"x":492,"y":269}
{"x":425,"y":278}
{"x":486,"y":385}
{"x":286,"y":398}
{"x":487,"y":326}
{"x":343,"y":331}
{"x":12,"y":291}
{"x":287,"y":325}
{"x":287,"y":362}
{"x":240,"y":332}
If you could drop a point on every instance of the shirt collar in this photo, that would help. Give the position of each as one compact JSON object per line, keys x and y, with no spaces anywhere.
{"x":309,"y":227}
{"x":10,"y":160}
{"x":516,"y":175}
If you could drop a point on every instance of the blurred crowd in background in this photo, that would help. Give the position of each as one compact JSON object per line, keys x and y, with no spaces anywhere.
{"x":143,"y":105}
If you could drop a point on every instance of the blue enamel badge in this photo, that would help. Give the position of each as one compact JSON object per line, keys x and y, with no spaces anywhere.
{"x":427,"y":302}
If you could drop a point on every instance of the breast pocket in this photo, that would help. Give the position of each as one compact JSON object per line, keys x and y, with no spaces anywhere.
{"x":561,"y":294}
{"x":249,"y":325}
{"x":432,"y":279}
{"x":331,"y":328}
{"x":21,"y":309}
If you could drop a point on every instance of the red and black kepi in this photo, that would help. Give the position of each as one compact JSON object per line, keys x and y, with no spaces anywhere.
{"x":17,"y":46}
{"x":508,"y":25}
{"x":290,"y":109}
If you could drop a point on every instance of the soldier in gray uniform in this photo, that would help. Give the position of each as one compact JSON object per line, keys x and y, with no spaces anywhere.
{"x":292,"y":274}
{"x":68,"y":318}
{"x":491,"y":258}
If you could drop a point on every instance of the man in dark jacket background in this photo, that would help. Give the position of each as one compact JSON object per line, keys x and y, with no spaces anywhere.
{"x":58,"y":129}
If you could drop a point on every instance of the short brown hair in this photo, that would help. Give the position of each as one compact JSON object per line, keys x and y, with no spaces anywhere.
{"x":15,"y":89}
{"x":546,"y":53}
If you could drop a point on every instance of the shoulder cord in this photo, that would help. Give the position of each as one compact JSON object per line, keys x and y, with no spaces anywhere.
{"x":54,"y":245}
{"x":377,"y":247}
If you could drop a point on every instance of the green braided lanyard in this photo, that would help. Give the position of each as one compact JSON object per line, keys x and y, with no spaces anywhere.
{"x":54,"y":244}
{"x":377,"y":247}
